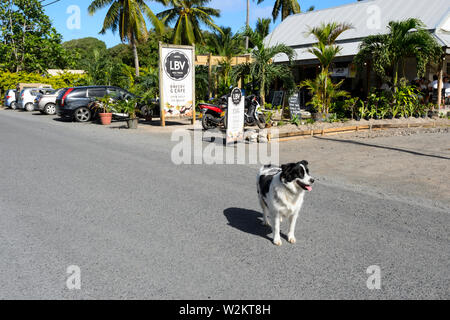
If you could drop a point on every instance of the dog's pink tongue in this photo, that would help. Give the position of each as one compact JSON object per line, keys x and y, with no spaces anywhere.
{"x":309,"y":188}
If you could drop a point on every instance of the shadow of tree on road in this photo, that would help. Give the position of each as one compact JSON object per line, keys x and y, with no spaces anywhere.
{"x":248,"y":221}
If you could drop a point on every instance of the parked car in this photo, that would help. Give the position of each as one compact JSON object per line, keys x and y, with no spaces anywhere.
{"x":74,"y":103}
{"x":10,"y":99}
{"x":26,"y":99}
{"x":46,"y":101}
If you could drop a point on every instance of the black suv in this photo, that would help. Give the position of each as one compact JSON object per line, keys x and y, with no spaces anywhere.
{"x":74,"y":102}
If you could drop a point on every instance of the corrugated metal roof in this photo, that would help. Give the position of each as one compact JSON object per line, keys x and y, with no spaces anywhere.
{"x":367,"y":17}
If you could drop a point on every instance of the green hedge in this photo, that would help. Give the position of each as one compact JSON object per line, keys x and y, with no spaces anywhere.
{"x":9,"y":80}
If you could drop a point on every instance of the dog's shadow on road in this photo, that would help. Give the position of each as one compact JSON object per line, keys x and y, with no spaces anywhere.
{"x":249,"y":221}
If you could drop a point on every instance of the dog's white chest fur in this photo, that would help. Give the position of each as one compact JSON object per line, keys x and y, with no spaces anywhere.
{"x":286,"y":201}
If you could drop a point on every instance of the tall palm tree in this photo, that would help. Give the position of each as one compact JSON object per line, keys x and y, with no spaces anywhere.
{"x":189,"y":15}
{"x":326,"y":35}
{"x":287,"y":7}
{"x":407,"y":38}
{"x":226,"y":45}
{"x":127,"y":16}
{"x":261,"y":68}
{"x":325,"y":51}
{"x":263,"y":27}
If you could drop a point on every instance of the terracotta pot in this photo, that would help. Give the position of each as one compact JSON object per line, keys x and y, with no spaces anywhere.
{"x":105,"y":118}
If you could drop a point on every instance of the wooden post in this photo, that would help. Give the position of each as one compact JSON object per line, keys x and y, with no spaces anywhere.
{"x":210,"y":75}
{"x":439,"y":95}
{"x":368,"y":66}
{"x":161,"y":92}
{"x":193,"y":85}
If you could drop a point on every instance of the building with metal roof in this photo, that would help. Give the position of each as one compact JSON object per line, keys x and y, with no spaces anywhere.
{"x":368,"y":17}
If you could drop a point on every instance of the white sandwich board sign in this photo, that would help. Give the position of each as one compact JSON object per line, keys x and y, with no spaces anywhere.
{"x":235,"y":117}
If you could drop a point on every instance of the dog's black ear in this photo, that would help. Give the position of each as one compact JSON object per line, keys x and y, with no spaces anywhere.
{"x":304,"y":162}
{"x":287,"y":172}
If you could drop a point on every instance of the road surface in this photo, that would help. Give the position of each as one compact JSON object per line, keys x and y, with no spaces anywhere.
{"x":111,"y":202}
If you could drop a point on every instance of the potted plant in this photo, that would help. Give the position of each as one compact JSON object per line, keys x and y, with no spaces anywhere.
{"x":104,"y":107}
{"x":129,"y":107}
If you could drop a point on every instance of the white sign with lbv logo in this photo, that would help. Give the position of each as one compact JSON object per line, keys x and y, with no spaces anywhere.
{"x":177,"y":81}
{"x":235,"y":117}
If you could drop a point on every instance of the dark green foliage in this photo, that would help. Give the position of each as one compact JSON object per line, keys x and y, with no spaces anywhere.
{"x":83,"y":48}
{"x":28,"y":42}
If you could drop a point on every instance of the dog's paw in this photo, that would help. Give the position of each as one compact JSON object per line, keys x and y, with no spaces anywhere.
{"x":292,"y":239}
{"x":277,"y":242}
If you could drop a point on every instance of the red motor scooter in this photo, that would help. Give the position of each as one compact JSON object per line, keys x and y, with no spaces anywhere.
{"x":213,"y":115}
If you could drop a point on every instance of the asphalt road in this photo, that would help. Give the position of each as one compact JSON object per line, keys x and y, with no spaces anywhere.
{"x":112,"y":202}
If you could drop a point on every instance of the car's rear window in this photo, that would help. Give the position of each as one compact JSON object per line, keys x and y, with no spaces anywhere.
{"x":78,"y":93}
{"x":96,"y":92}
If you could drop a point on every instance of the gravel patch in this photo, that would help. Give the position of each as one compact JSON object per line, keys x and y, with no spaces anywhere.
{"x":325,"y":125}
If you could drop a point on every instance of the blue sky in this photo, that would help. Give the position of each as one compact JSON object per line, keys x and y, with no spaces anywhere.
{"x":233,"y":14}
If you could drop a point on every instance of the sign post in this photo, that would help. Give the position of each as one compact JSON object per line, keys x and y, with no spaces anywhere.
{"x":294,"y":106}
{"x":176,"y":81}
{"x":235,"y":117}
{"x":277,"y":99}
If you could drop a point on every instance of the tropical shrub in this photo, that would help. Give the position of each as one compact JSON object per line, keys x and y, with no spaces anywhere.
{"x":406,"y":98}
{"x":388,"y":52}
{"x":9,"y":80}
{"x":324,"y":92}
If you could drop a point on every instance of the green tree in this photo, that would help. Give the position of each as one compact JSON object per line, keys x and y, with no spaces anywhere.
{"x":326,"y":35}
{"x":286,"y":7}
{"x":28,"y":42}
{"x":263,"y":71}
{"x":96,"y":69}
{"x":263,"y":27}
{"x":325,"y":50}
{"x":388,"y":52}
{"x":83,"y":49}
{"x":227,"y":45}
{"x":189,"y":15}
{"x":128,"y":17}
{"x":324,"y":91}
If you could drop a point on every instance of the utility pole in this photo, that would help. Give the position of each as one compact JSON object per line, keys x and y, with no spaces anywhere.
{"x":248,"y":23}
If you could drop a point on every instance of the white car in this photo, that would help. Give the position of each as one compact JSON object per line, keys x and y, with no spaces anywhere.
{"x":26,"y":98}
{"x":10,"y":99}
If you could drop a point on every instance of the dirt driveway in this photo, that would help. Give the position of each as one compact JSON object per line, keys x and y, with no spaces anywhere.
{"x":415,"y":166}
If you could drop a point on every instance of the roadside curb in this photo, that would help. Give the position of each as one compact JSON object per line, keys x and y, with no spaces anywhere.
{"x":287,"y":136}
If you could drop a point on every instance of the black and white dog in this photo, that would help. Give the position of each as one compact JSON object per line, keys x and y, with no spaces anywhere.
{"x":281,"y":192}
